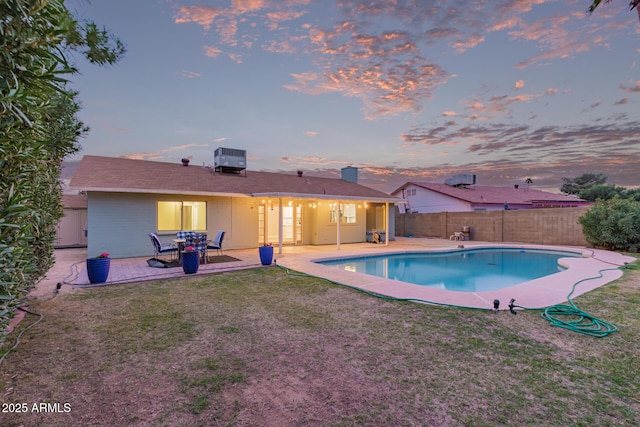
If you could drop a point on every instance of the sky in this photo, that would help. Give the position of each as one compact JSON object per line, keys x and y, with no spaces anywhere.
{"x":404,"y":90}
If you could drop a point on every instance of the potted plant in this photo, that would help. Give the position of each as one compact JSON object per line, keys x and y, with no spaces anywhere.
{"x":98,"y":268}
{"x":266,"y":254}
{"x":190,"y":260}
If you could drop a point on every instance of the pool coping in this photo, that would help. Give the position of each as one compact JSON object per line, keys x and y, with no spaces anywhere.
{"x":594,"y":269}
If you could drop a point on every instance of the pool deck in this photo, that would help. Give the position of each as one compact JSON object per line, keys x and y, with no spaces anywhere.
{"x":70,"y":272}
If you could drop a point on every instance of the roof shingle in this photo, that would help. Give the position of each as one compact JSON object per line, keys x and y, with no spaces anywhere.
{"x":96,"y":173}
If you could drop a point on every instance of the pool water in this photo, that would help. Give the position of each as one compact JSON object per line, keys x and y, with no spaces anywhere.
{"x":470,"y":270}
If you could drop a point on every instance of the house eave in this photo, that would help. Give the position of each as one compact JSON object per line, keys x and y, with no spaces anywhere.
{"x":328,"y":197}
{"x":158,"y":191}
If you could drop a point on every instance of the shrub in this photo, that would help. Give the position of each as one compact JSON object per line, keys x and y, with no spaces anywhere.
{"x":613,"y":224}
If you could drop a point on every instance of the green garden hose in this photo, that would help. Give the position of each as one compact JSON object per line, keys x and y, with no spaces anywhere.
{"x":578,"y":320}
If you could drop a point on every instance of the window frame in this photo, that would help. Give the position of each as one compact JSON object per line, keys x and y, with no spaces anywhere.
{"x":181,"y":211}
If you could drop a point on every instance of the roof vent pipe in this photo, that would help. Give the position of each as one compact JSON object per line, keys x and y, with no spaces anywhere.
{"x":185,"y":162}
{"x":516,"y":186}
{"x":299,"y":173}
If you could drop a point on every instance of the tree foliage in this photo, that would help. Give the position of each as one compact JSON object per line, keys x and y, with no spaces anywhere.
{"x":633,"y":4}
{"x":584,"y":181}
{"x":592,"y":187}
{"x":38,"y":129}
{"x":613,"y":224}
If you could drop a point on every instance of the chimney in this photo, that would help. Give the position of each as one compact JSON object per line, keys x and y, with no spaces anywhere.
{"x":350,"y":174}
{"x":299,"y":173}
{"x":185,"y":162}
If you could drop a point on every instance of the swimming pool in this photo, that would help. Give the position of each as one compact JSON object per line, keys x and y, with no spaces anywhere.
{"x":468,"y":270}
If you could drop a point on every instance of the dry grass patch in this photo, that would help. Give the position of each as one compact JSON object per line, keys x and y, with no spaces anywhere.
{"x":261,"y":347}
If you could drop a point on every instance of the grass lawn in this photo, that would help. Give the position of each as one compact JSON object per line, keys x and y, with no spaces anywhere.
{"x":264,"y":348}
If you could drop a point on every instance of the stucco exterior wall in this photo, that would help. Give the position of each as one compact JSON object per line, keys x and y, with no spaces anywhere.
{"x":552,"y":226}
{"x":324,"y":232}
{"x":120,"y":223}
{"x":427,"y":201}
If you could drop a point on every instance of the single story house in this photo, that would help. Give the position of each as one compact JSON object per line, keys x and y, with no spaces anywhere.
{"x":128,"y":199}
{"x":422,"y":197}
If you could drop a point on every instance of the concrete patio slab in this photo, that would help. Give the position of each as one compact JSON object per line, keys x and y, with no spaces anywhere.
{"x":594,"y":269}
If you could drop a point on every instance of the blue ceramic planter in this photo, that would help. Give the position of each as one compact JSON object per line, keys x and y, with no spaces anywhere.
{"x":190,"y":262}
{"x":98,"y":269}
{"x":266,"y":255}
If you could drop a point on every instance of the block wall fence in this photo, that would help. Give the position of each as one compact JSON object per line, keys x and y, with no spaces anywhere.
{"x":549,"y":226}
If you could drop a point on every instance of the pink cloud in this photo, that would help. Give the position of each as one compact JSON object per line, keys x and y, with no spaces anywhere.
{"x":201,"y":15}
{"x":631,"y":89}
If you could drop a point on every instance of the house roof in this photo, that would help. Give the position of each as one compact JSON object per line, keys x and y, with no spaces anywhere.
{"x":479,"y":194}
{"x":113,"y":174}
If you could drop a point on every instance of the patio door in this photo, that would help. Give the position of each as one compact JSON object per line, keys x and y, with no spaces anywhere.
{"x":268,"y":222}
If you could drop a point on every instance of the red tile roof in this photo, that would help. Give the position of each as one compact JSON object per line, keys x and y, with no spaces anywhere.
{"x":112,"y":174}
{"x":479,"y":194}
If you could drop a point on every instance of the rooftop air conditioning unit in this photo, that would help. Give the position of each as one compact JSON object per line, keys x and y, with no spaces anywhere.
{"x":229,"y":160}
{"x":462,"y":179}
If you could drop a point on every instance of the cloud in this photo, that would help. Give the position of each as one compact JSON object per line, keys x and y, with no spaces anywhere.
{"x":311,"y":133}
{"x":380,"y":51}
{"x":610,"y":142}
{"x":161,"y":154}
{"x":631,"y":89}
{"x":201,"y":15}
{"x":190,"y":74}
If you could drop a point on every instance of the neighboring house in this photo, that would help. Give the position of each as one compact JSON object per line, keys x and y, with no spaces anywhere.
{"x":128,"y":199}
{"x":420,"y":197}
{"x":72,"y":227}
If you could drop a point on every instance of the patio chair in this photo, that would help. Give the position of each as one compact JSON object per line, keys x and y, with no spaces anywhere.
{"x":217,"y":242}
{"x":199,"y":241}
{"x":457,"y":235}
{"x":159,"y":249}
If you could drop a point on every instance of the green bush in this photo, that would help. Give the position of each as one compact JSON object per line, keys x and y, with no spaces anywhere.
{"x":613,"y":224}
{"x":38,"y":128}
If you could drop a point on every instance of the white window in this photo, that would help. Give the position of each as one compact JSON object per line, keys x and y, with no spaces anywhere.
{"x":348,"y":212}
{"x":182,"y":216}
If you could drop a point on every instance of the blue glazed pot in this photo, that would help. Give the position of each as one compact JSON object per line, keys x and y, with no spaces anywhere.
{"x":266,"y":254}
{"x":98,"y":269}
{"x":190,"y":262}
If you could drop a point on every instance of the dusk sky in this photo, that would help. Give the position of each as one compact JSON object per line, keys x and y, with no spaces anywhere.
{"x":404,"y":90}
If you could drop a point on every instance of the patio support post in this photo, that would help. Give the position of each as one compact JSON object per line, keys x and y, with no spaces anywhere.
{"x":280,"y":225}
{"x":386,"y":223}
{"x":338,"y":220}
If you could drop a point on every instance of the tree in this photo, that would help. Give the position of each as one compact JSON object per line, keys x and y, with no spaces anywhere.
{"x":576,"y":185}
{"x":38,"y":128}
{"x":601,"y":192}
{"x":632,"y":4}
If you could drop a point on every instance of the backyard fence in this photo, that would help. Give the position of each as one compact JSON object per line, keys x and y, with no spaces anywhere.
{"x":552,"y":226}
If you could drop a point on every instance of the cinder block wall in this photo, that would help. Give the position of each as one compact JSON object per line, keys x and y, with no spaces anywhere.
{"x":552,"y":226}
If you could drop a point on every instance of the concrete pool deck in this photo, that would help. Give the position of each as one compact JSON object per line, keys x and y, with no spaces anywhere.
{"x":542,"y":292}
{"x":71,"y":272}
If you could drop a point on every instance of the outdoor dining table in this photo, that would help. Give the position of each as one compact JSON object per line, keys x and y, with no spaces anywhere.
{"x":180,"y":243}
